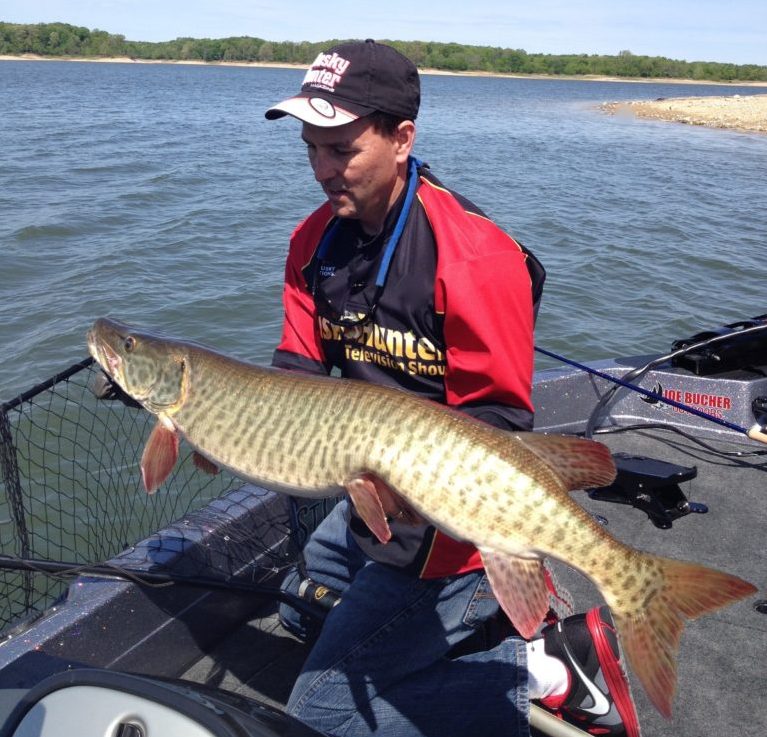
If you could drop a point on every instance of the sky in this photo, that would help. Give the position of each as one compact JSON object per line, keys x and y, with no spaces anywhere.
{"x":690,"y":30}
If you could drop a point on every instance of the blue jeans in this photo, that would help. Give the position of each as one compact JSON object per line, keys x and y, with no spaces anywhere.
{"x":380,"y":663}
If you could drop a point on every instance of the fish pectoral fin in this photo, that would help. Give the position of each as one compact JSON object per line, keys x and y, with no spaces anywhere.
{"x":159,"y":457}
{"x":580,"y":463}
{"x":205,"y":465}
{"x":374,"y":501}
{"x":519,"y":584}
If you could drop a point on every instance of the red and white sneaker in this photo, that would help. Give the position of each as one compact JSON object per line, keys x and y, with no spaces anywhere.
{"x":598,"y":699}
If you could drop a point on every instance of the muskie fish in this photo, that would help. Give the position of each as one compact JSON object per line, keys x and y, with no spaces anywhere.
{"x":390,"y":450}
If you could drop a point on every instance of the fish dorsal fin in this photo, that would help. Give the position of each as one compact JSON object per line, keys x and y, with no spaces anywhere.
{"x":159,"y":457}
{"x":519,"y":584}
{"x":580,"y":463}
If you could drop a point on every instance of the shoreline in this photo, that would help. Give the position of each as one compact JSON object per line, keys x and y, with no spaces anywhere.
{"x":745,"y":113}
{"x":285,"y":65}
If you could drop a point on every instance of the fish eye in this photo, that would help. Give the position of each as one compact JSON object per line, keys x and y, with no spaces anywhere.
{"x":129,"y":344}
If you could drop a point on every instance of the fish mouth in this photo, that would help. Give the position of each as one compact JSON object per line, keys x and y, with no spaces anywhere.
{"x":105,"y":355}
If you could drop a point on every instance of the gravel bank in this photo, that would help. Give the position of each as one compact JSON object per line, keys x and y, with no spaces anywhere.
{"x":739,"y":112}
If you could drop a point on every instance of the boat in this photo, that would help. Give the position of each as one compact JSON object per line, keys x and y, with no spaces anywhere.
{"x":158,"y":614}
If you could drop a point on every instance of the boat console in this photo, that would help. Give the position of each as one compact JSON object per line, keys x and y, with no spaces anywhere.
{"x":104,"y":703}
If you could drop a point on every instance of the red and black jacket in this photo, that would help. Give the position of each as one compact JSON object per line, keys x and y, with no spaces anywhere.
{"x":453,"y":323}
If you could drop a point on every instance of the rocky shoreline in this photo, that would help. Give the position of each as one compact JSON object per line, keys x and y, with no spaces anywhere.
{"x":736,"y":112}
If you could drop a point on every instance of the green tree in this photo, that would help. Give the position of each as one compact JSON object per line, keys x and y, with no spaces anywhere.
{"x":62,"y":39}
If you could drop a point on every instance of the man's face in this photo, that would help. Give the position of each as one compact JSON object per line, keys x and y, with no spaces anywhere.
{"x":358,"y":168}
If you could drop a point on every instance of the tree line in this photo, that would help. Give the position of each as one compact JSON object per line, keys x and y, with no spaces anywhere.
{"x":64,"y":40}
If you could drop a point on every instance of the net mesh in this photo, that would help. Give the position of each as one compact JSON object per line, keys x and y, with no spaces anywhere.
{"x":71,"y":492}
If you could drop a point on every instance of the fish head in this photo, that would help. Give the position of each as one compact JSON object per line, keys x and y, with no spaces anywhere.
{"x":148,"y":367}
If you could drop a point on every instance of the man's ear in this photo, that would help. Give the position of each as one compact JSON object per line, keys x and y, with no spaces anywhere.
{"x":404,"y":137}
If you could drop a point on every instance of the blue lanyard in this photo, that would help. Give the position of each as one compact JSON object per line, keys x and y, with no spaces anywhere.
{"x":391,"y":244}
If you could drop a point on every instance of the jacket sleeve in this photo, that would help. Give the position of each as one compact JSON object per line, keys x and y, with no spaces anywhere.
{"x":300,"y":347}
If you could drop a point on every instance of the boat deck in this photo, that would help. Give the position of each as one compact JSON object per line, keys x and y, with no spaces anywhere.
{"x":259,"y":660}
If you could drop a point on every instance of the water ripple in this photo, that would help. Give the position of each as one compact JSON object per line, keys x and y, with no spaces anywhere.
{"x":160,"y":195}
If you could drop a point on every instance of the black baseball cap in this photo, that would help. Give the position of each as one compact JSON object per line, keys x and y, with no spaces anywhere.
{"x":352,"y":80}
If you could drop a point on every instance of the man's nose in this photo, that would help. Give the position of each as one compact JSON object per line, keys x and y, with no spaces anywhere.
{"x":323,"y":167}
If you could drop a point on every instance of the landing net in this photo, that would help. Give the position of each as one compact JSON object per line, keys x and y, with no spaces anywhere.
{"x":70,"y":491}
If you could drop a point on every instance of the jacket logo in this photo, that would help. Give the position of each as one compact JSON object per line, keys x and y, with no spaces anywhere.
{"x":387,"y":347}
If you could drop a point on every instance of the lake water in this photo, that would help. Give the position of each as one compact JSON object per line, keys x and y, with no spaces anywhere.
{"x":159,"y":194}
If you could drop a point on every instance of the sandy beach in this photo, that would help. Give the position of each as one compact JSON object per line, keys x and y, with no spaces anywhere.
{"x":737,"y":112}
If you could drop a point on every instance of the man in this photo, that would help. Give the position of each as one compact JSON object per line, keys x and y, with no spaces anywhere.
{"x":399,"y":281}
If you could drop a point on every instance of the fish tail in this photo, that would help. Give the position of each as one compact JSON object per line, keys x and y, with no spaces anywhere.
{"x":650,"y":635}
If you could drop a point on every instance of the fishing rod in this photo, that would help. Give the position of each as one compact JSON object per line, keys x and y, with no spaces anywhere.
{"x":646,"y":392}
{"x":756,"y":432}
{"x":154,"y":579}
{"x":548,"y":724}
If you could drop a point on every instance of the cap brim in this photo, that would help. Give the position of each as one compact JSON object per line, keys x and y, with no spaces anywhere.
{"x":313,"y":110}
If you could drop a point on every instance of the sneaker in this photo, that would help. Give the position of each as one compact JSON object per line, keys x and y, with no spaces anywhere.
{"x":598,"y":698}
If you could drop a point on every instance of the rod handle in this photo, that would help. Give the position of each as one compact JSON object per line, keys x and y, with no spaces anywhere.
{"x":757,"y":432}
